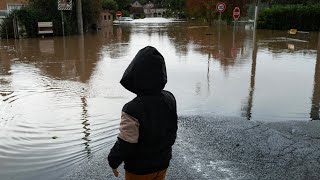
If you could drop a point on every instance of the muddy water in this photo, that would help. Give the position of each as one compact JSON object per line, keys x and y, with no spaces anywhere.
{"x":60,"y":99}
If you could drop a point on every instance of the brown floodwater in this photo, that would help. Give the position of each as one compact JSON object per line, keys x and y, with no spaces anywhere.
{"x":60,"y":98}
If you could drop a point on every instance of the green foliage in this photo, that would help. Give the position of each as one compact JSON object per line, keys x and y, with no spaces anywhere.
{"x":49,"y":13}
{"x":6,"y":28}
{"x":143,"y":2}
{"x":174,"y":5}
{"x":90,"y":12}
{"x":39,"y":11}
{"x":28,"y":18}
{"x":305,"y":2}
{"x":109,"y":5}
{"x":304,"y":18}
{"x":124,"y":4}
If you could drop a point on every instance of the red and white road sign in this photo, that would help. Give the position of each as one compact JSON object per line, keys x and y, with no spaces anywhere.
{"x":119,"y":13}
{"x":221,"y":7}
{"x":236,"y":13}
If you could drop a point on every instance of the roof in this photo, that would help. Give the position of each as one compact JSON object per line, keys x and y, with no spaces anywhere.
{"x":136,"y":4}
{"x":149,"y":5}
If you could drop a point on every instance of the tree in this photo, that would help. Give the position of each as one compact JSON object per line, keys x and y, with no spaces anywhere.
{"x":90,"y":12}
{"x":124,"y":4}
{"x":176,"y":7}
{"x":198,"y":8}
{"x":242,"y":4}
{"x":294,"y":1}
{"x":207,"y":8}
{"x":48,"y":11}
{"x":109,"y":5}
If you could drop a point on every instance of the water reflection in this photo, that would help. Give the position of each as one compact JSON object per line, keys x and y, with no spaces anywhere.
{"x":72,"y":58}
{"x":119,"y":47}
{"x":45,"y":87}
{"x":208,"y":75}
{"x":5,"y":68}
{"x":316,"y":87}
{"x":214,"y":41}
{"x":247,"y":107}
{"x":86,"y":126}
{"x":50,"y":56}
{"x":69,"y":88}
{"x":278,"y":42}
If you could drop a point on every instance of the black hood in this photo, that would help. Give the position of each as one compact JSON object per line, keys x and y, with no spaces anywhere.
{"x":147,"y":73}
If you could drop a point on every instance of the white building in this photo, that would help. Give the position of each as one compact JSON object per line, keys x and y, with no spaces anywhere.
{"x":152,"y":10}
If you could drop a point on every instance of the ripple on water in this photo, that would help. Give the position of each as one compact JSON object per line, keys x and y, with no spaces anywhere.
{"x":73,"y":143}
{"x":49,"y":125}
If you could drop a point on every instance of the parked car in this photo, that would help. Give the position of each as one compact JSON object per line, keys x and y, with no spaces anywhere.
{"x":123,"y":19}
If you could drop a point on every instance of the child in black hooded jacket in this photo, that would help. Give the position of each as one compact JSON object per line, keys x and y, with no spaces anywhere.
{"x":148,"y":124}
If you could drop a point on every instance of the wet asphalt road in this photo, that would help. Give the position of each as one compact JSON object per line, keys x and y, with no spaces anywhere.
{"x":210,"y":147}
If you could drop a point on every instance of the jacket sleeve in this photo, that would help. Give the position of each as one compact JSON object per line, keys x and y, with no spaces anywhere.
{"x":127,"y":140}
{"x":171,"y":101}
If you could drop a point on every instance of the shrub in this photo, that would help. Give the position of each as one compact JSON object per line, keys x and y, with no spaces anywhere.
{"x":299,"y":17}
{"x":6,"y":28}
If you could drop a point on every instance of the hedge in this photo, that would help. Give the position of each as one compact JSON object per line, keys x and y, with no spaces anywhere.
{"x":301,"y":17}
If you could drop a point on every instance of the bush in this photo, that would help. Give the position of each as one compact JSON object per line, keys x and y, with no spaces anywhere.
{"x":6,"y":28}
{"x":28,"y":18}
{"x":42,"y":11}
{"x":301,"y":17}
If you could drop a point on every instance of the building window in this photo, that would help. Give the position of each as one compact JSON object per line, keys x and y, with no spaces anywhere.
{"x":11,"y":7}
{"x":105,"y":17}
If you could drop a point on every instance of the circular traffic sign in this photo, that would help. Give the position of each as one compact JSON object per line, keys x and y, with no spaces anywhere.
{"x":119,"y":13}
{"x":221,"y":7}
{"x":236,"y":13}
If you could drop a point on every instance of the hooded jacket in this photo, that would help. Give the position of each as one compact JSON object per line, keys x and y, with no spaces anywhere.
{"x":149,"y":122}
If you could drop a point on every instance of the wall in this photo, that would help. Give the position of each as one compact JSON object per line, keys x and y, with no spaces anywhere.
{"x":3,"y":3}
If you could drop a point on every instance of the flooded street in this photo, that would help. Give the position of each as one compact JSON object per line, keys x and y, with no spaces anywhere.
{"x":60,"y":99}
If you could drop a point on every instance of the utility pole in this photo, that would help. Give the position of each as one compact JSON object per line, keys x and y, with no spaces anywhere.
{"x":256,"y":13}
{"x":79,"y":17}
{"x":314,"y":114}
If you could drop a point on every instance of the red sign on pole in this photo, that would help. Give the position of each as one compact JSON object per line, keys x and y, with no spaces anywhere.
{"x":236,"y":13}
{"x":119,"y":13}
{"x":221,"y":7}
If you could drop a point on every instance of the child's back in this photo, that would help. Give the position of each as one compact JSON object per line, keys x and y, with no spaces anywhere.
{"x":149,"y":122}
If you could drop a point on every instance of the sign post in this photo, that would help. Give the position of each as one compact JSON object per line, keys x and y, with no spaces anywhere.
{"x":236,"y":13}
{"x":119,"y":14}
{"x":221,"y":7}
{"x":236,"y":16}
{"x":64,"y":5}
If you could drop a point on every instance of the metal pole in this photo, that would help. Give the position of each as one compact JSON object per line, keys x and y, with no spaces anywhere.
{"x":314,"y":114}
{"x":234,"y":34}
{"x":62,"y":20}
{"x":7,"y":32}
{"x":256,"y":14}
{"x":79,"y":17}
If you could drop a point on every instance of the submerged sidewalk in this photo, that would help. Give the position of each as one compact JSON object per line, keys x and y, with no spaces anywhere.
{"x":210,"y":147}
